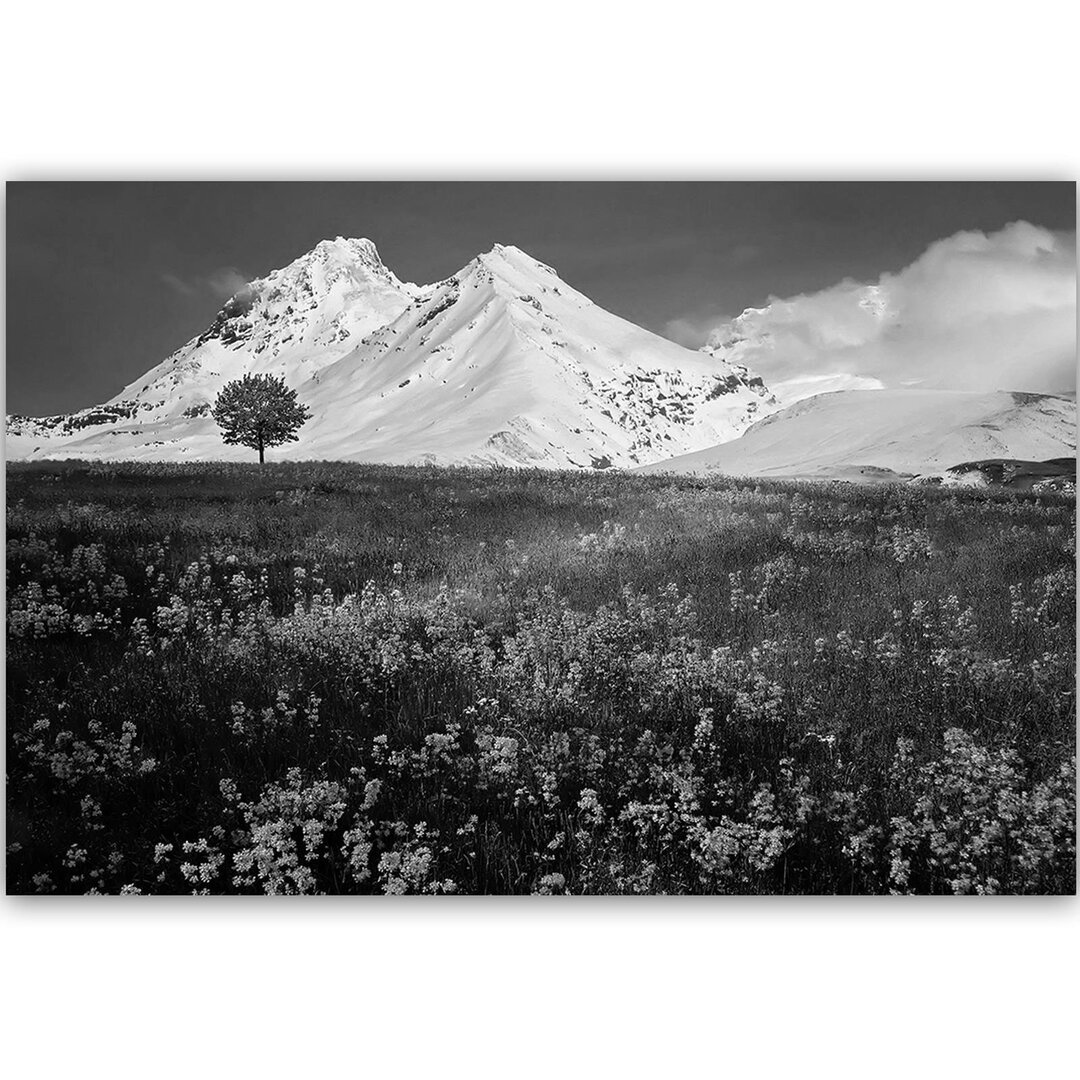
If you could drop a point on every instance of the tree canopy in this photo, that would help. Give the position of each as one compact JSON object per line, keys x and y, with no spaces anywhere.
{"x":259,"y":411}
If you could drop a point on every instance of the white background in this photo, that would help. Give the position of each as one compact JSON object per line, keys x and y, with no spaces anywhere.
{"x":616,"y":988}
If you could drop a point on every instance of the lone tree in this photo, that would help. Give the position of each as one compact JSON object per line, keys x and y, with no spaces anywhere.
{"x":259,"y":411}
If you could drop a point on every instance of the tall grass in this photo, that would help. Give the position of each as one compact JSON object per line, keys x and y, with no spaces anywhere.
{"x":334,"y":678}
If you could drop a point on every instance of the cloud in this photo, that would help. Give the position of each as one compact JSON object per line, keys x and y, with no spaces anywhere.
{"x":226,"y":281}
{"x":693,"y":330}
{"x":178,"y":285}
{"x":974,"y":311}
{"x":221,"y":283}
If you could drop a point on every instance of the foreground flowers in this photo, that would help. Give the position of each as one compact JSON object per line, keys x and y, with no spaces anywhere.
{"x":429,"y":681}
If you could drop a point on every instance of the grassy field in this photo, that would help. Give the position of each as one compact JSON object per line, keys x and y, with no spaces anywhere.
{"x":331,"y":678}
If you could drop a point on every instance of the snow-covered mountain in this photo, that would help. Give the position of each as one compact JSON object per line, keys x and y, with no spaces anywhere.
{"x":505,"y":362}
{"x":883,"y":434}
{"x":292,"y":322}
{"x":501,"y":363}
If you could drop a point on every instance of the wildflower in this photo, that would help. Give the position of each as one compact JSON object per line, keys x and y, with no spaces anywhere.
{"x":550,"y":884}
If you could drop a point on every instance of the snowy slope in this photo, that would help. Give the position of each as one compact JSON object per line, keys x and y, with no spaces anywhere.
{"x":502,"y":363}
{"x":868,"y":434}
{"x":788,"y":391}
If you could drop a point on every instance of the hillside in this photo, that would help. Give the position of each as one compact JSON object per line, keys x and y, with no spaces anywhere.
{"x":865,"y":435}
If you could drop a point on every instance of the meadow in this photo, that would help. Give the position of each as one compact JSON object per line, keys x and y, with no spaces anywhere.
{"x":320,"y":678}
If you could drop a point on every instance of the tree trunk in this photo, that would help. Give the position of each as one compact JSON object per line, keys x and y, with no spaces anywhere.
{"x":261,"y":459}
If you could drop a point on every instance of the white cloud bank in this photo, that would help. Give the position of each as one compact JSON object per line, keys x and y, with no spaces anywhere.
{"x":974,"y":311}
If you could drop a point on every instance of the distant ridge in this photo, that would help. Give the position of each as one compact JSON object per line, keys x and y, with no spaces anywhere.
{"x":871,"y":435}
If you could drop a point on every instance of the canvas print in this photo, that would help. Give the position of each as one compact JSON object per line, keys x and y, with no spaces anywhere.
{"x":540,"y":538}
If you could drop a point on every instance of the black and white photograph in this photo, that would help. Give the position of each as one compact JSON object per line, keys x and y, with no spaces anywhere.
{"x":539,"y":540}
{"x":551,"y":538}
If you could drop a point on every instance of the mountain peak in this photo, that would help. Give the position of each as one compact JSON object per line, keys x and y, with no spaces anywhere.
{"x":513,"y":271}
{"x":340,"y":263}
{"x":345,"y":252}
{"x":504,"y":257}
{"x":293,"y":321}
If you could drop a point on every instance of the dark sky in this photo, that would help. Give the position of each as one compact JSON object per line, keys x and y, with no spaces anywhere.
{"x":105,"y":279}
